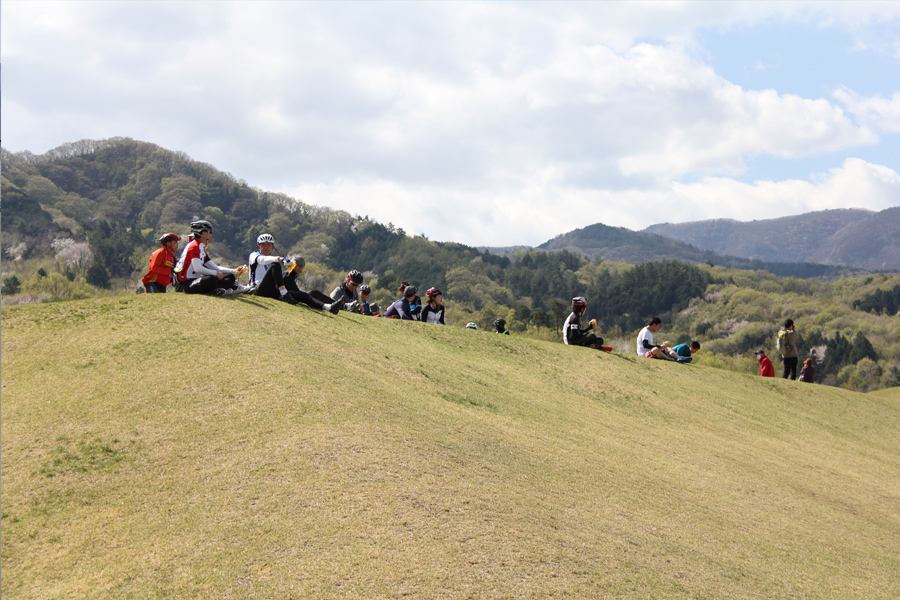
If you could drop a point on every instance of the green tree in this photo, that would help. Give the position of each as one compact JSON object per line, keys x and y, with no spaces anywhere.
{"x":11,"y":285}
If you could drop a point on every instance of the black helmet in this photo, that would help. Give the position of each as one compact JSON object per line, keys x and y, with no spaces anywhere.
{"x":578,"y":301}
{"x":198,"y":227}
{"x":355,"y":276}
{"x":501,"y":322}
{"x":364,"y":289}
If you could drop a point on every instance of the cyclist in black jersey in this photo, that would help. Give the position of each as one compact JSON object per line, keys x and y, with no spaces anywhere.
{"x":576,"y":335}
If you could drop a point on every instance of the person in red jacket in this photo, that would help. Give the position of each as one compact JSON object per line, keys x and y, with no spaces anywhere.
{"x":766,"y":369}
{"x":159,"y":276}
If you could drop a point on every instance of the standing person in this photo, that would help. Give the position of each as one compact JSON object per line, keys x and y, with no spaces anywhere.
{"x":808,"y":372}
{"x":268,"y":280}
{"x":500,"y":324}
{"x":162,"y":261}
{"x":576,"y":335}
{"x":788,"y":338}
{"x":196,"y":273}
{"x":434,"y":309}
{"x":766,"y":369}
{"x":645,"y":345}
{"x":400,"y":308}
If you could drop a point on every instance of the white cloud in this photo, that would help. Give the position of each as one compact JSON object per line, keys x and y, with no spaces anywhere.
{"x":541,"y":208}
{"x":880,"y":114}
{"x":488,"y":123}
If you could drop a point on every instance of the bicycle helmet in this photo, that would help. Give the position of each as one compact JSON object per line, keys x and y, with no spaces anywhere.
{"x":167,"y":237}
{"x":579,"y":301}
{"x":198,"y":227}
{"x":501,"y":322}
{"x":432,"y":292}
{"x":364,"y":289}
{"x":265,"y":238}
{"x":471,"y":326}
{"x":355,"y":276}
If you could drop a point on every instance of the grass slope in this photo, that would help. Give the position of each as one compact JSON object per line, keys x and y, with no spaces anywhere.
{"x":306,"y":455}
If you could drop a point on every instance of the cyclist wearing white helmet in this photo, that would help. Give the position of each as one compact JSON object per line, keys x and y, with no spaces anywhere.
{"x":196,"y":273}
{"x":434,"y":309}
{"x":269,"y":281}
{"x":574,"y":334}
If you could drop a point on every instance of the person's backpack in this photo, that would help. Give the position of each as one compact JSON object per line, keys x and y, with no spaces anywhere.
{"x":781,"y":343}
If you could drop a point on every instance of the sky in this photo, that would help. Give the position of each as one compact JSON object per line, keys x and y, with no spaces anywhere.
{"x":485,"y":123}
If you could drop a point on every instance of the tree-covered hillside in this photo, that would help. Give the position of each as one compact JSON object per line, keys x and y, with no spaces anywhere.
{"x":853,"y":237}
{"x":82,"y":220}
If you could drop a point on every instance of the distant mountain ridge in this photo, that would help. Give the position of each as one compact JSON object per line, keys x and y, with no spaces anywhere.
{"x":619,"y":244}
{"x":842,"y":237}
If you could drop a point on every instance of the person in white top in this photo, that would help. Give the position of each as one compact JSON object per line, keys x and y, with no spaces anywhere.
{"x":268,"y":280}
{"x":646,"y":347}
{"x":196,"y":273}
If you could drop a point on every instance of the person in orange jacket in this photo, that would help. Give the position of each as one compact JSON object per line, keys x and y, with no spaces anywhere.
{"x":162,"y":261}
{"x":766,"y":369}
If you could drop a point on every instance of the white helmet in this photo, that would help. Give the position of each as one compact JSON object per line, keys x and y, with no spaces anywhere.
{"x":265,"y":239}
{"x":471,"y":326}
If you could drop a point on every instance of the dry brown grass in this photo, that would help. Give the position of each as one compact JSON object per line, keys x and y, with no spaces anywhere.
{"x":320,"y":456}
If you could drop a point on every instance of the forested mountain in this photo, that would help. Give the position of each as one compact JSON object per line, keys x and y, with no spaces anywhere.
{"x":82,"y":220}
{"x":849,"y":237}
{"x":619,"y":244}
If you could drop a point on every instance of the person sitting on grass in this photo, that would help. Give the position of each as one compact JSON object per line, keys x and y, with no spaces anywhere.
{"x":162,"y":261}
{"x":646,"y":347}
{"x":363,"y":307}
{"x":685,"y":351}
{"x":576,"y":335}
{"x":434,"y":310}
{"x":345,"y":294}
{"x":269,"y":281}
{"x":196,"y":273}
{"x":400,"y":308}
{"x":766,"y":368}
{"x":500,"y":326}
{"x":808,"y":372}
{"x":376,"y":310}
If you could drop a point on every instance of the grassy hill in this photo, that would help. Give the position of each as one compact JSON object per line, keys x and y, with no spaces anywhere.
{"x":168,"y":446}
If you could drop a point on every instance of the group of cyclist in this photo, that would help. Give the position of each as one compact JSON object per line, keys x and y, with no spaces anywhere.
{"x":196,"y":273}
{"x":275,"y":276}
